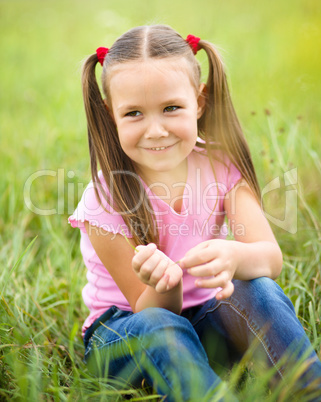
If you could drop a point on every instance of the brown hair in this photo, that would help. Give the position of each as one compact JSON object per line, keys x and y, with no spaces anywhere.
{"x":218,"y":125}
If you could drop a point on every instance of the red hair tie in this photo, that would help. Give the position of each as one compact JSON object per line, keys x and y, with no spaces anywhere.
{"x":101,"y":54}
{"x":193,"y":42}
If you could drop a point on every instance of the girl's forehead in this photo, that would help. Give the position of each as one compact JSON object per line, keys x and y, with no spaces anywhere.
{"x":152,"y":81}
{"x":163,"y":66}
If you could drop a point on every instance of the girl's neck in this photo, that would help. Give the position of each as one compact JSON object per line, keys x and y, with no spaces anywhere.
{"x":168,"y":185}
{"x":165,"y":178}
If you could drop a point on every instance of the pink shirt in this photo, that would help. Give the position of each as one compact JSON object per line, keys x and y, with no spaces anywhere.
{"x":178,"y":232}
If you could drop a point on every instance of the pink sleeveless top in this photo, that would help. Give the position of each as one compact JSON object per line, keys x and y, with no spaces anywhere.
{"x":178,"y":232}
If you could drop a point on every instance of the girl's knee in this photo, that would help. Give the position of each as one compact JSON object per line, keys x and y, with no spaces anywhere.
{"x":158,"y":322}
{"x":262,"y":292}
{"x":153,"y":319}
{"x":262,"y":287}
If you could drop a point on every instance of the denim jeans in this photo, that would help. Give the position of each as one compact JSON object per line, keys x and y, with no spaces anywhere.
{"x":182,"y":356}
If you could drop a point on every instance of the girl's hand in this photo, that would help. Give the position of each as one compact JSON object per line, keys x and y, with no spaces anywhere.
{"x":155,"y":269}
{"x":215,"y":260}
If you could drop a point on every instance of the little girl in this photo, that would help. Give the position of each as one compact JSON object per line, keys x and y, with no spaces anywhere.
{"x":170,"y":299}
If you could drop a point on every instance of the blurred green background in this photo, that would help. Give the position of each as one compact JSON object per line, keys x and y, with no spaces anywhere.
{"x":272,"y":56}
{"x":271,"y":50}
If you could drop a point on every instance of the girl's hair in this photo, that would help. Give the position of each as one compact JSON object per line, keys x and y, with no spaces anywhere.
{"x":218,"y":126}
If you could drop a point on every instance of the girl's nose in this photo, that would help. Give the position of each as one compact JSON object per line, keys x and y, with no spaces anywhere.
{"x":155,"y":129}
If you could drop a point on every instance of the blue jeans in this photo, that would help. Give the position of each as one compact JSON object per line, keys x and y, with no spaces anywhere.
{"x":182,"y":356}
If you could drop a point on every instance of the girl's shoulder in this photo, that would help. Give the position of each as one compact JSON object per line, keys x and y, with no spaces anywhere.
{"x":217,"y":156}
{"x":218,"y":162}
{"x":96,"y":207}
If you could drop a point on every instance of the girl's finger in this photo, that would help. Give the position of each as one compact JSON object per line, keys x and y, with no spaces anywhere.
{"x":170,"y":279}
{"x":210,"y":269}
{"x":173,"y":281}
{"x":158,"y":272}
{"x":221,"y":280}
{"x":162,"y":284}
{"x":226,"y":292}
{"x":175,"y":275}
{"x":144,"y":252}
{"x":198,"y":257}
{"x":148,"y":267}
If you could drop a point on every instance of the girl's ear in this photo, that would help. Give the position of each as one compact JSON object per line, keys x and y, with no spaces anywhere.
{"x":201,"y":100}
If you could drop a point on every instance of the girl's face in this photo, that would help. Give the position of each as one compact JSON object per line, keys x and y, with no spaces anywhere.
{"x":155,"y":108}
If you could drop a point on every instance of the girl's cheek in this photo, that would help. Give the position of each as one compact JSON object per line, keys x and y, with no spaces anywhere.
{"x":187,"y":129}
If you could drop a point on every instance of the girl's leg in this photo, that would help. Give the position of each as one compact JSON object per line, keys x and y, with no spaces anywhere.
{"x":154,"y":344}
{"x":259,"y":313}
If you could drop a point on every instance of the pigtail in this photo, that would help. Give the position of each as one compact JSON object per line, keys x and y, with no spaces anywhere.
{"x":98,"y":120}
{"x":128,"y":194}
{"x":219,"y":123}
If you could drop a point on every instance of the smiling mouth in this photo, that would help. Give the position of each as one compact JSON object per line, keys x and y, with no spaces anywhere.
{"x":159,"y":148}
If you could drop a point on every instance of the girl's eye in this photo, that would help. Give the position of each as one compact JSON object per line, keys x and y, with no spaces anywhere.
{"x":171,"y":108}
{"x":134,"y":113}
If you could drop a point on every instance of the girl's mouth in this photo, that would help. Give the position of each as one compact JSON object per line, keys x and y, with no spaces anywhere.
{"x":160,"y":148}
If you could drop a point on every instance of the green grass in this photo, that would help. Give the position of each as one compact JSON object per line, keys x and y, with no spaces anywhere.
{"x":272,"y":56}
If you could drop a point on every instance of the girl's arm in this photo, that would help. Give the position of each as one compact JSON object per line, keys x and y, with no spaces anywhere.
{"x":258,"y":251}
{"x":254,"y":252}
{"x":132,"y":271}
{"x":161,"y":275}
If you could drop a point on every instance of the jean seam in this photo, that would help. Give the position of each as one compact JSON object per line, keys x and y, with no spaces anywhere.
{"x":91,"y":345}
{"x":102,"y":340}
{"x":231,"y":305}
{"x":210,"y":310}
{"x":256,"y":334}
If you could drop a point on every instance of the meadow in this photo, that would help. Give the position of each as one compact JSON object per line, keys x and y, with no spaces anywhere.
{"x":272,"y":56}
